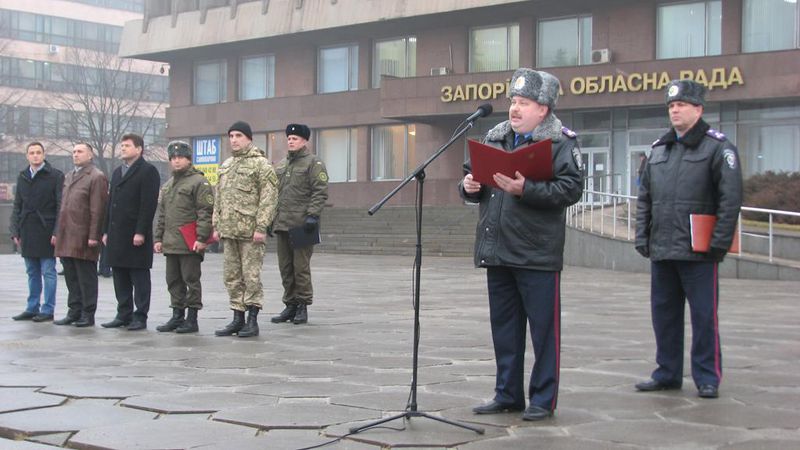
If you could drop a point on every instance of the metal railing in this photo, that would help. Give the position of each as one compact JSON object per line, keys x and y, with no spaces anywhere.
{"x":616,"y":211}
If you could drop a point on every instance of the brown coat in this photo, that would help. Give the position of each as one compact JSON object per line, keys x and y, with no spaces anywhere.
{"x":83,"y":209}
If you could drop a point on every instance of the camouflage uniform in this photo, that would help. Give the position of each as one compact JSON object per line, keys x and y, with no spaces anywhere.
{"x":245,"y":203}
{"x":302,"y":192}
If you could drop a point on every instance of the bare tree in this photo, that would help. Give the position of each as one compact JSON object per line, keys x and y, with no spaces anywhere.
{"x":106,"y":96}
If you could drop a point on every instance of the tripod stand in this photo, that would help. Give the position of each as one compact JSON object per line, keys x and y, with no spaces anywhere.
{"x":419,"y":175}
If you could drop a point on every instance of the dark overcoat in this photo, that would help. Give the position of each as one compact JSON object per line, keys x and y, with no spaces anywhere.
{"x":83,"y":210}
{"x":35,"y":214}
{"x":131,"y":206}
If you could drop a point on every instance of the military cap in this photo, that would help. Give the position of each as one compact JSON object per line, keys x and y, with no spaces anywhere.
{"x":688,"y":91}
{"x":179,"y":148}
{"x":242,"y":127}
{"x":298,"y":129}
{"x":536,"y":85}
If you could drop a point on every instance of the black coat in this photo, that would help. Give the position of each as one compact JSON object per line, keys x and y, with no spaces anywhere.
{"x":698,"y":174}
{"x":131,"y":207}
{"x":35,"y":213}
{"x":528,"y":231}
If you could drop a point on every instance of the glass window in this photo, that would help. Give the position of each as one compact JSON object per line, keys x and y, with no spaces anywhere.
{"x":338,"y":69}
{"x":337,"y":148}
{"x":689,"y":29}
{"x":210,"y":82}
{"x":396,"y":57}
{"x":564,"y":42}
{"x":494,"y":49}
{"x":393,"y":151}
{"x":769,"y":25}
{"x":768,"y":146}
{"x":257,"y":77}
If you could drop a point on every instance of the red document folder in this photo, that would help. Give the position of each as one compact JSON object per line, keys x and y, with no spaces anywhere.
{"x":189,"y":233}
{"x":702,"y":228}
{"x":534,"y":161}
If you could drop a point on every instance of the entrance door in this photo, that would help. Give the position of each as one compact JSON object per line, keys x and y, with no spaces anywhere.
{"x":637,"y":157}
{"x":596,"y":164}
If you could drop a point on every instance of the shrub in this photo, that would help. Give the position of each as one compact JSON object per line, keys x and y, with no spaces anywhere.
{"x":773,"y":190}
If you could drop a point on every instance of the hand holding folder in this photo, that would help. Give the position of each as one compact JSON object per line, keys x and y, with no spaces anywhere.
{"x":702,"y":228}
{"x":534,"y":161}
{"x":189,"y":233}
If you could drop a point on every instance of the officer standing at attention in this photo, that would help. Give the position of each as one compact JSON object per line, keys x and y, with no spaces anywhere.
{"x":302,"y":191}
{"x":186,"y":198}
{"x":244,"y":206}
{"x":520,"y":241}
{"x":692,"y":169}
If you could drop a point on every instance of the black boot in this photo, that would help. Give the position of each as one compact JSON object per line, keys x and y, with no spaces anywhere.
{"x":287,"y":315}
{"x":173,"y":323}
{"x":233,"y":327}
{"x":251,"y":329}
{"x":302,"y":315}
{"x":190,"y":324}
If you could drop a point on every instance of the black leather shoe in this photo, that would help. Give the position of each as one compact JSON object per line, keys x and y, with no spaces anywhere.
{"x":84,"y":322}
{"x":287,"y":315}
{"x":42,"y":318}
{"x":654,"y":385}
{"x":116,"y":323}
{"x":301,"y":316}
{"x":494,"y":407}
{"x":137,"y":325}
{"x":66,"y":321}
{"x":534,"y":413}
{"x":25,"y":316}
{"x":707,"y":391}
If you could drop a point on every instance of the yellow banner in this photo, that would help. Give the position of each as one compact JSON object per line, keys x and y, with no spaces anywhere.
{"x":210,"y":171}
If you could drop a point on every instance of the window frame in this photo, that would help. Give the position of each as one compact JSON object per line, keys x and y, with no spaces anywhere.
{"x":352,"y":67}
{"x":706,"y":28}
{"x":376,"y":73}
{"x":352,"y":153}
{"x":796,"y":36}
{"x":510,"y":64}
{"x":579,"y":50}
{"x":269,"y":80}
{"x":222,"y":88}
{"x":407,"y":131}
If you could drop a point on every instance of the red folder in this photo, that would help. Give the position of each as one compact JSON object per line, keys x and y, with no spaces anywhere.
{"x":189,"y":233}
{"x":534,"y":161}
{"x":702,"y":228}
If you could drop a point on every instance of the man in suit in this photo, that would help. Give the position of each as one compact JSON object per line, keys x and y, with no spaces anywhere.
{"x":77,"y":241}
{"x":128,"y":233}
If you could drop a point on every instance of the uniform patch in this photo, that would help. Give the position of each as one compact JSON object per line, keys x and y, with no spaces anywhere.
{"x":272,"y":178}
{"x":673,"y":90}
{"x":323,"y":177}
{"x":569,"y":132}
{"x":576,"y":155}
{"x":209,"y":199}
{"x":718,"y":135}
{"x":730,"y":158}
{"x":519,"y":83}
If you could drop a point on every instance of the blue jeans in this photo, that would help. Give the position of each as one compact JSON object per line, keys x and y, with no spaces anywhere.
{"x":38,"y":269}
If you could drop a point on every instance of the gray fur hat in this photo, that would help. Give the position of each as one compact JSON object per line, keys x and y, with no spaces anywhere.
{"x":688,"y":91}
{"x":536,"y":85}
{"x":179,"y":148}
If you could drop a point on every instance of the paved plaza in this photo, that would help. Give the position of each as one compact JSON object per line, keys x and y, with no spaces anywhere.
{"x":298,"y":386}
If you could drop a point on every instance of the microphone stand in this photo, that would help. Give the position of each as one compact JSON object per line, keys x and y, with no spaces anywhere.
{"x":419,"y":175}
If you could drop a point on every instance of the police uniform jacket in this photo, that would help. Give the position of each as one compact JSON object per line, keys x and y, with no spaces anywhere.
{"x":132,"y":205}
{"x":36,"y":205}
{"x":528,"y":231}
{"x":83,"y":212}
{"x":699,"y":173}
{"x":302,"y":187}
{"x":185,"y":198}
{"x":246,"y":195}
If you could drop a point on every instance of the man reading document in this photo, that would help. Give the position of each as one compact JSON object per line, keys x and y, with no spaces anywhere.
{"x":520,"y":241}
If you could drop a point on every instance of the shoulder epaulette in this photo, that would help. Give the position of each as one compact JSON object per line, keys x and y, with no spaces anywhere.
{"x":656,"y":142}
{"x":718,"y":135}
{"x":569,"y":132}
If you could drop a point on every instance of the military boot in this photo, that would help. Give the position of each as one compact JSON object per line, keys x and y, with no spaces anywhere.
{"x":233,"y":327}
{"x":251,"y":329}
{"x":174,"y":322}
{"x":190,"y":324}
{"x":287,"y":315}
{"x":302,"y":315}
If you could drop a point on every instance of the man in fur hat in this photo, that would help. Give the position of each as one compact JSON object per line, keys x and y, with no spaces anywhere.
{"x":520,"y":241}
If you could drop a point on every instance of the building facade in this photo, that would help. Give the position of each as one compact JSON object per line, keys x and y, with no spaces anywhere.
{"x":58,"y":56}
{"x":383,"y":83}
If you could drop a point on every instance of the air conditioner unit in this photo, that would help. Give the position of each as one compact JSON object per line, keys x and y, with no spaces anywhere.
{"x":601,"y":55}
{"x":52,"y":49}
{"x":440,"y":70}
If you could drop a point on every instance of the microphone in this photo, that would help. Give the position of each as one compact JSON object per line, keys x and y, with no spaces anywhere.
{"x":482,"y":111}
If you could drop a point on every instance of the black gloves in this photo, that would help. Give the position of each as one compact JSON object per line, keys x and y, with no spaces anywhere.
{"x":643,"y":250}
{"x":717,"y":253}
{"x":310,"y":224}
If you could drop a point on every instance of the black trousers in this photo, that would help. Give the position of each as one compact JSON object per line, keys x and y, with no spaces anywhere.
{"x":81,"y":278}
{"x":132,"y":286}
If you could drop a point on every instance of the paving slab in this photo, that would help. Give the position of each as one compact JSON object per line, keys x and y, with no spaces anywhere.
{"x":283,"y":389}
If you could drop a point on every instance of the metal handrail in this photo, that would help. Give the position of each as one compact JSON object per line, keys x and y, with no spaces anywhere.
{"x":618,"y":199}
